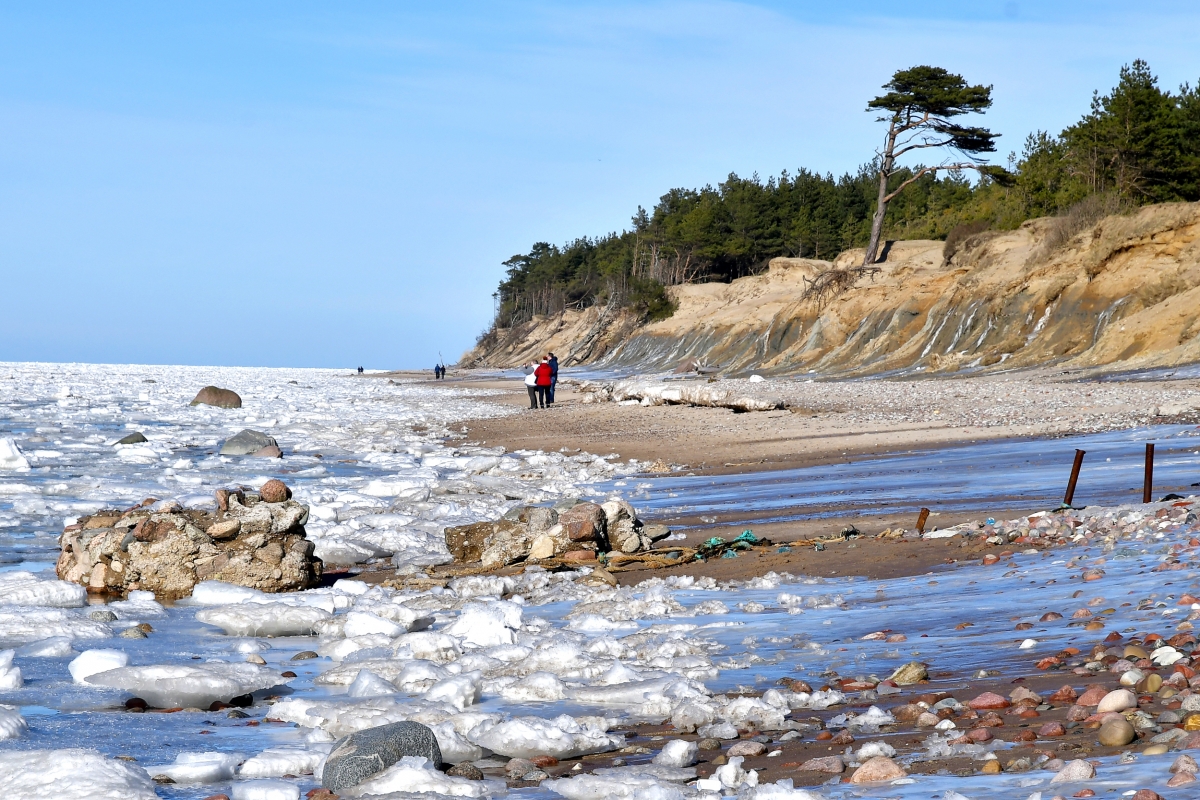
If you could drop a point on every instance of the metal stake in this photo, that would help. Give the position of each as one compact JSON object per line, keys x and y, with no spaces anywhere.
{"x":1074,"y":477}
{"x":1149,"y":481}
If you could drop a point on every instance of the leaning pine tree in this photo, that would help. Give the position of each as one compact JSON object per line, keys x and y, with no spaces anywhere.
{"x":921,"y":104}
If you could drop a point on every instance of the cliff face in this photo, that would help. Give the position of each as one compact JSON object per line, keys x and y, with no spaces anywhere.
{"x":1123,"y":293}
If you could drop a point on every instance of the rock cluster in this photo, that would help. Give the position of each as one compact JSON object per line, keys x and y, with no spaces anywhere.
{"x":571,"y":530}
{"x":163,"y":548}
{"x":216,"y":396}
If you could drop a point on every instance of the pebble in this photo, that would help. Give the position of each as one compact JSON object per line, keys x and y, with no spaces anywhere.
{"x":1185,"y":763}
{"x":1094,"y":694}
{"x":466,"y":770}
{"x":1146,"y":794}
{"x":709,"y":744}
{"x":1052,"y":729}
{"x":133,"y":633}
{"x":1077,"y":770}
{"x":102,"y":615}
{"x":989,"y":700}
{"x":747,"y":749}
{"x":1118,"y":700}
{"x":1116,"y":733}
{"x":304,"y":655}
{"x":274,"y":491}
{"x":1181,"y":779}
{"x":831,"y":764}
{"x":879,"y":768}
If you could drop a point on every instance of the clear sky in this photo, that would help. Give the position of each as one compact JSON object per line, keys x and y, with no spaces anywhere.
{"x":335,"y":184}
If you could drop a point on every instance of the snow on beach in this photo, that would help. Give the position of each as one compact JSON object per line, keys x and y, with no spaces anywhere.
{"x":540,"y":664}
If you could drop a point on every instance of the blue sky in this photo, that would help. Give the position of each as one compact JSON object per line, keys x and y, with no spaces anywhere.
{"x":335,"y":184}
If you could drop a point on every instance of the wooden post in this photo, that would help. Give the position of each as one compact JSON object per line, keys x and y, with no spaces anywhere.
{"x":1148,"y":483}
{"x":1074,"y":477}
{"x":922,"y":518}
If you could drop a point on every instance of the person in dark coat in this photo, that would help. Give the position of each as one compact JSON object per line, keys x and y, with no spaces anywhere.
{"x":553,"y":362}
{"x":542,"y":376}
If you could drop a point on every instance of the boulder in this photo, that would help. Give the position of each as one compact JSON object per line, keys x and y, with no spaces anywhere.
{"x":246,"y":442}
{"x":879,"y":768}
{"x":274,"y":491}
{"x":585,"y":522}
{"x":134,"y":438}
{"x":251,"y":543}
{"x":365,"y":753}
{"x":216,"y":396}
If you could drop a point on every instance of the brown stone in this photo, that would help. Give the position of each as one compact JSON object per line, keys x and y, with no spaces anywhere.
{"x":1146,"y":794}
{"x":579,"y":555}
{"x":879,"y":768}
{"x":270,"y":451}
{"x":1092,"y":697}
{"x":225,"y":529}
{"x":1052,"y":729}
{"x":585,"y":522}
{"x":215,"y":396}
{"x":466,"y":542}
{"x":831,"y":764}
{"x":275,"y":491}
{"x":989,"y":700}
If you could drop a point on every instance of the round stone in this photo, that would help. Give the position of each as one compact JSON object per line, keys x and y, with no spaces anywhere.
{"x":1116,"y":733}
{"x":274,"y":491}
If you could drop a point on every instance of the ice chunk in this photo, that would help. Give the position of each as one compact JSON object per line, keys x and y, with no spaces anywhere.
{"x":537,"y":686}
{"x":783,"y":790}
{"x":199,"y":767}
{"x":93,"y":662}
{"x":360,"y":623}
{"x":561,"y":737}
{"x":54,"y":647}
{"x":219,"y":593}
{"x":11,"y":458}
{"x":12,"y":724}
{"x":265,"y":790}
{"x":24,"y":624}
{"x":174,"y":686}
{"x":677,"y":753}
{"x":368,"y":684}
{"x":74,"y":773}
{"x":276,"y":762}
{"x":459,"y":692}
{"x":10,"y":673}
{"x":138,"y":605}
{"x":264,"y":619}
{"x":26,"y":589}
{"x":629,"y":784}
{"x":485,"y":625}
{"x":417,"y":775}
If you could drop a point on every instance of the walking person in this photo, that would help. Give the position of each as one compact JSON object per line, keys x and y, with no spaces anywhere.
{"x":531,"y":386}
{"x":542,"y":379}
{"x":553,"y":376}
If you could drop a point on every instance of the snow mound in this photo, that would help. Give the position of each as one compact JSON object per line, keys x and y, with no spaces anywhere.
{"x":26,"y":589}
{"x":264,"y":619}
{"x":417,"y":775}
{"x":74,"y":773}
{"x":178,"y":686}
{"x":276,"y":762}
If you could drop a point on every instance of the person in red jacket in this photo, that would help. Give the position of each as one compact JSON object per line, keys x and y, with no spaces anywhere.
{"x":543,"y":375}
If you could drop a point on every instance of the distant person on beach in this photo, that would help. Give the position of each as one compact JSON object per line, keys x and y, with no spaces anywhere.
{"x":542,"y":375}
{"x":531,"y":385}
{"x":443,"y":367}
{"x":360,"y":370}
{"x":553,"y":361}
{"x":437,"y":371}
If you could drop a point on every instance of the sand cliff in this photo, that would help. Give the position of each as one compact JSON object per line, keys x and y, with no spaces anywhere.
{"x":1122,"y":294}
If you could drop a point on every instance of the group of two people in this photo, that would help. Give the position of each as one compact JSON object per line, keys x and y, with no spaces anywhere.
{"x":439,"y":372}
{"x":540,"y":380}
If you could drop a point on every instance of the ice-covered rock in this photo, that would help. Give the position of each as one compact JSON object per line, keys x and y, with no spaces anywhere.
{"x":561,"y":737}
{"x":93,"y":662}
{"x":73,"y":773}
{"x":26,"y":589}
{"x":183,"y":686}
{"x":412,"y":774}
{"x":264,"y":619}
{"x":677,"y":753}
{"x":199,"y":767}
{"x":11,"y":457}
{"x":367,"y":753}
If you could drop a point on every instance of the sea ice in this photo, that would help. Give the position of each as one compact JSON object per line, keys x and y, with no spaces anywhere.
{"x":74,"y":773}
{"x":10,"y":673}
{"x":418,"y":775}
{"x":276,"y":762}
{"x":264,"y":619}
{"x":677,"y":753}
{"x":368,"y":684}
{"x":93,"y":662}
{"x":484,"y":625}
{"x":11,"y":458}
{"x":180,"y":686}
{"x":12,"y":724}
{"x":25,"y":624}
{"x":199,"y":767}
{"x":26,"y":589}
{"x":265,"y":790}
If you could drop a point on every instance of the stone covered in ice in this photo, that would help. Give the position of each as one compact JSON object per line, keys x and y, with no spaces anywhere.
{"x":180,"y":686}
{"x":93,"y":662}
{"x":677,"y":753}
{"x":363,"y":754}
{"x":74,"y":773}
{"x":561,"y":737}
{"x":26,"y":589}
{"x":264,"y":619}
{"x":199,"y":767}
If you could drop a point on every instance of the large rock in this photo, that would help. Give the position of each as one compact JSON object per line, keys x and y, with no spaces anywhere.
{"x":246,"y":442}
{"x":585,"y":522}
{"x":625,"y":530}
{"x":362,"y":754}
{"x":216,"y":396}
{"x":250,"y":543}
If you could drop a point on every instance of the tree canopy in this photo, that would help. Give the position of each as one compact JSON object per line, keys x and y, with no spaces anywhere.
{"x":1136,"y":144}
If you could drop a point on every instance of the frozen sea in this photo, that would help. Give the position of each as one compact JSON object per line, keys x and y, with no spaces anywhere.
{"x":561,"y":665}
